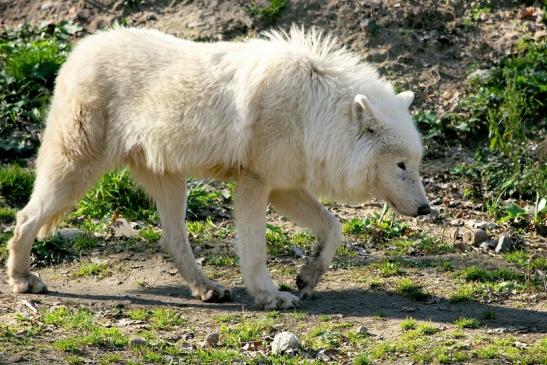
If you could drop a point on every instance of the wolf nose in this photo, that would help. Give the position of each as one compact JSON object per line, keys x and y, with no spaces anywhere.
{"x":424,"y":209}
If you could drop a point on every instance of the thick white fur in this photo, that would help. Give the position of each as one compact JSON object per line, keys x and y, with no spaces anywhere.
{"x":287,"y":117}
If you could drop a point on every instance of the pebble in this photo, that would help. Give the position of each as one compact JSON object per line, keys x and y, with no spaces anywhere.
{"x":122,"y":228}
{"x":124,"y":322}
{"x":15,"y":358}
{"x":362,"y":330}
{"x":297,"y":252}
{"x":69,"y":234}
{"x":186,"y":347}
{"x":475,"y":237}
{"x":285,"y":342}
{"x":482,"y":75}
{"x":137,"y":341}
{"x":211,"y":340}
{"x":505,"y":243}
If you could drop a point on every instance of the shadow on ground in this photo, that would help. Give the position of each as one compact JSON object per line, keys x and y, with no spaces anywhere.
{"x":347,"y":302}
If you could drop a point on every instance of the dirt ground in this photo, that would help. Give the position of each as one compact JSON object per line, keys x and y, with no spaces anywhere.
{"x":427,"y":46}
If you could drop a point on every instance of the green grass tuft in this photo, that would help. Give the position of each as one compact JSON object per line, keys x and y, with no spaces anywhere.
{"x":464,"y":322}
{"x":16,"y":184}
{"x":411,"y":289}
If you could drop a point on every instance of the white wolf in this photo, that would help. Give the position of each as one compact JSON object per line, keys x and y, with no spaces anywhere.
{"x":287,"y":117}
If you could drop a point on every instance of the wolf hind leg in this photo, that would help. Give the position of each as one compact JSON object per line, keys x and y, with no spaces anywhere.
{"x":169,"y":193}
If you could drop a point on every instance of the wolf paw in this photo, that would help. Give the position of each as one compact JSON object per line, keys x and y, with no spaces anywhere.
{"x":214,"y":293}
{"x":277,"y":300}
{"x":308,"y":278}
{"x":29,"y":283}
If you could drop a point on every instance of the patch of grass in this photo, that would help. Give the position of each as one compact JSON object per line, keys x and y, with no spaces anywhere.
{"x":361,"y":359}
{"x":221,"y":260}
{"x":105,"y":337}
{"x":150,"y":234}
{"x":380,"y":349}
{"x":51,"y":250}
{"x":464,"y":322}
{"x":201,"y":231}
{"x":424,"y":245}
{"x":29,"y":59}
{"x":79,"y":319}
{"x":7,"y":215}
{"x":509,"y":108}
{"x":278,"y":241}
{"x":524,"y":259}
{"x":70,"y":344}
{"x":228,"y":318}
{"x":164,"y":319}
{"x":111,"y":358}
{"x":408,"y":324}
{"x":16,"y":184}
{"x":479,"y":274}
{"x":204,"y":201}
{"x":327,"y":335}
{"x":74,"y":360}
{"x":96,"y":269}
{"x":427,"y":329}
{"x":85,"y":242}
{"x":116,"y":192}
{"x":237,"y":334}
{"x":388,"y":268}
{"x":138,"y":314}
{"x":377,"y":228}
{"x":464,"y":293}
{"x":269,"y":12}
{"x":411,"y":289}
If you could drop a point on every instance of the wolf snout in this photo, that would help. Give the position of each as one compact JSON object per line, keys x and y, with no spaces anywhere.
{"x":424,"y":209}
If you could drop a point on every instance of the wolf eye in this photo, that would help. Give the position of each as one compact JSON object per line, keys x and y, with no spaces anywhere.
{"x":402,"y":165}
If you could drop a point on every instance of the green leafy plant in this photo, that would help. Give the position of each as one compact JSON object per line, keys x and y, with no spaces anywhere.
{"x":29,"y":60}
{"x":269,"y":12}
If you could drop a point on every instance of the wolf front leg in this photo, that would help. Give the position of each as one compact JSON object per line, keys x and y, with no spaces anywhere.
{"x":307,"y":211}
{"x":251,"y":198}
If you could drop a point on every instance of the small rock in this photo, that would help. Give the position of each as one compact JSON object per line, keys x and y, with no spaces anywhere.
{"x":482,"y":75}
{"x":297,"y":252}
{"x":475,"y":237}
{"x":362,"y":330}
{"x":186,"y":347}
{"x":211,"y":340}
{"x":122,"y":228}
{"x":14,"y":359}
{"x":520,"y":345}
{"x":8,"y":229}
{"x":124,"y":322}
{"x":285,"y":342}
{"x":188,"y":335}
{"x":500,"y":330}
{"x":46,"y":5}
{"x":505,"y":243}
{"x":137,"y":341}
{"x":69,"y":234}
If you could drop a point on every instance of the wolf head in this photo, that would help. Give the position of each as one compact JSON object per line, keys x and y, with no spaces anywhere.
{"x":388,"y":146}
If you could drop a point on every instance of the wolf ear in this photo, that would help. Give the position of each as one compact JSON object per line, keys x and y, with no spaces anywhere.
{"x":407,"y":97}
{"x":361,"y":111}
